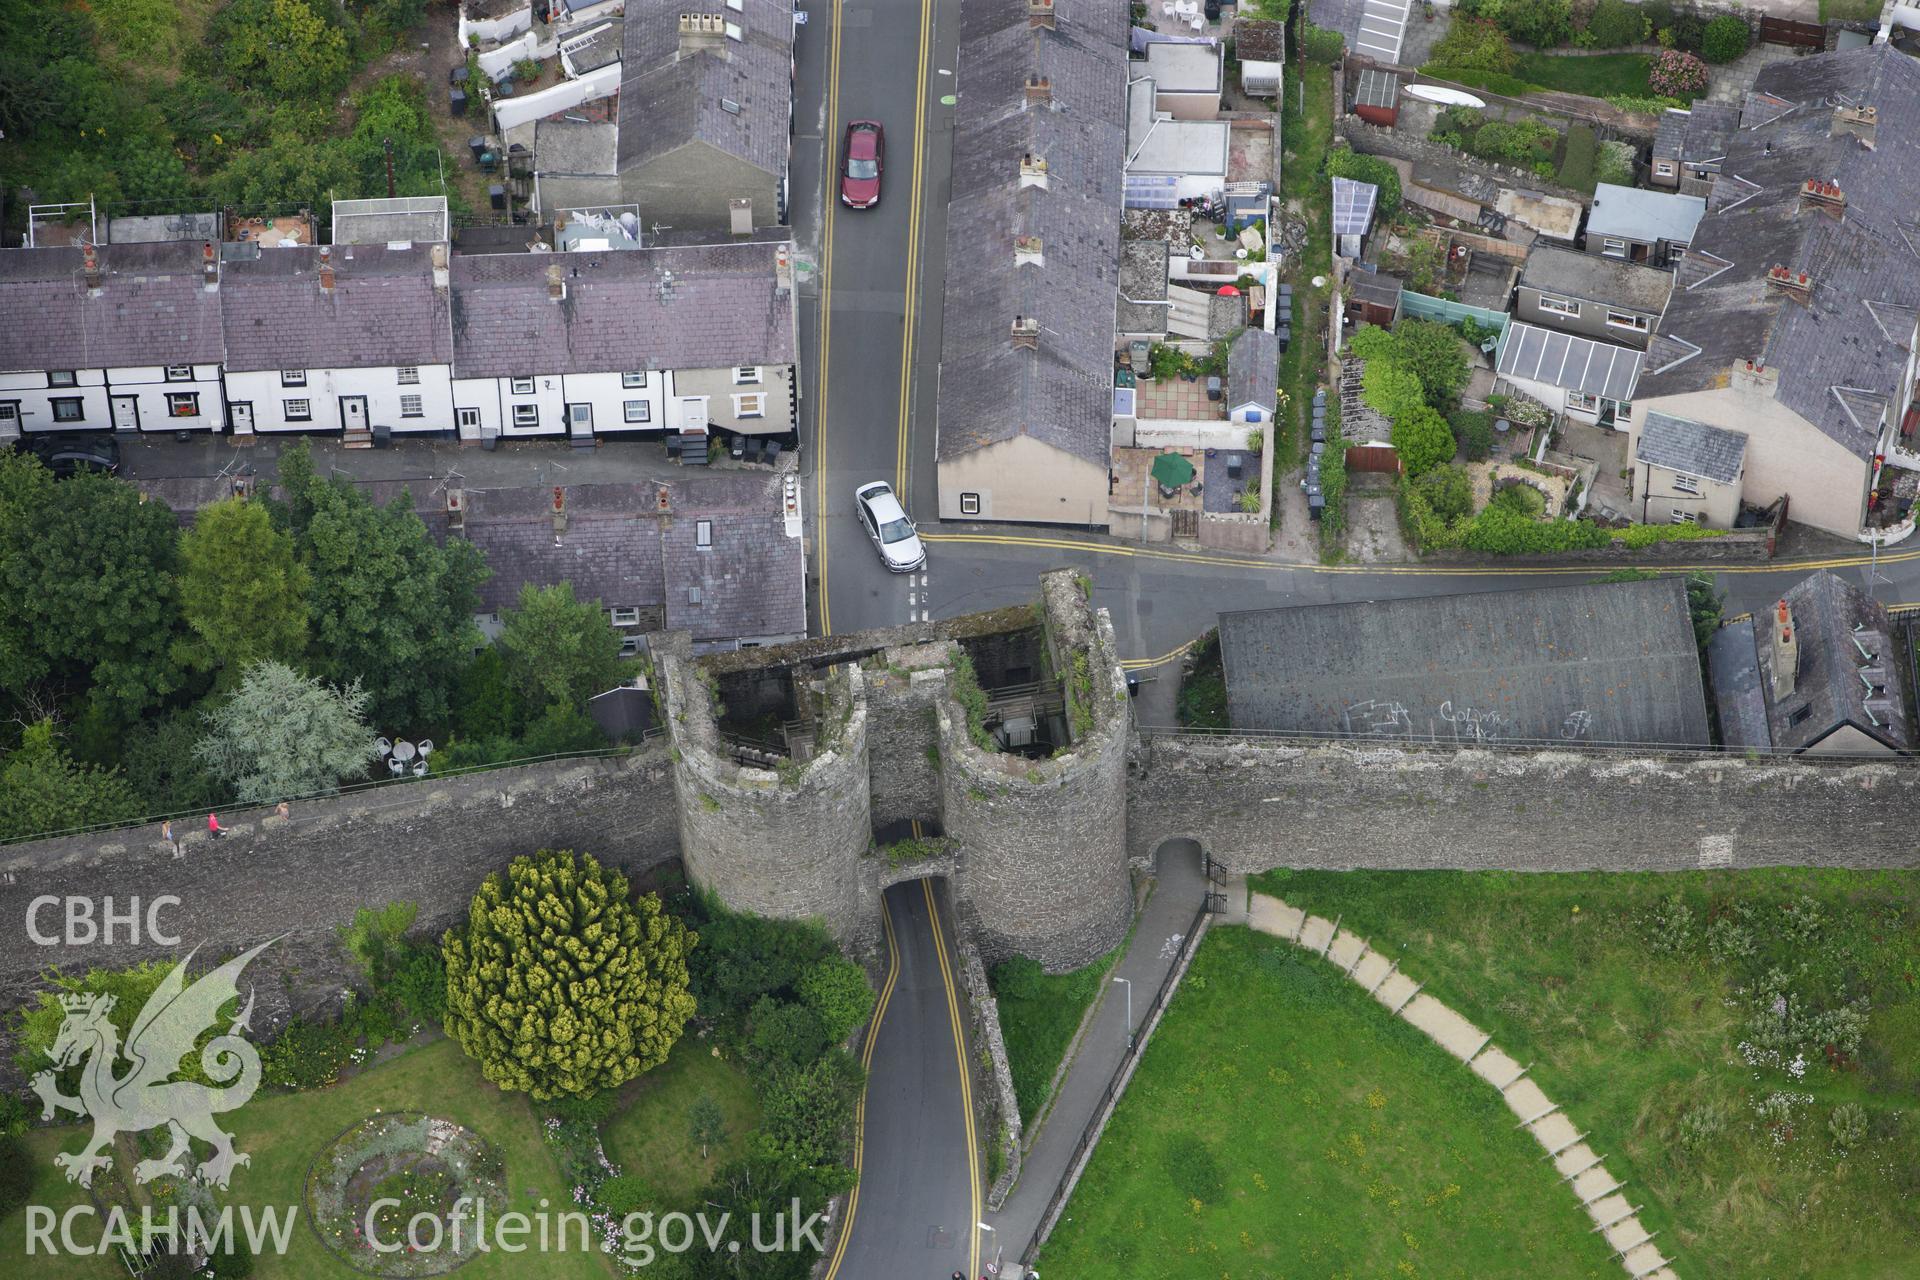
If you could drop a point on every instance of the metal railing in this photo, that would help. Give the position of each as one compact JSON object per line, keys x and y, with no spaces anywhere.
{"x":1091,"y":1134}
{"x":1449,"y":742}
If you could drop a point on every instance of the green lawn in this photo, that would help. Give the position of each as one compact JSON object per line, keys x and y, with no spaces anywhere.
{"x":282,"y":1134}
{"x":1284,"y":1124}
{"x":1597,"y":75}
{"x":650,"y":1135}
{"x":1304,"y":137}
{"x":1039,"y":1012}
{"x":1641,"y":1044}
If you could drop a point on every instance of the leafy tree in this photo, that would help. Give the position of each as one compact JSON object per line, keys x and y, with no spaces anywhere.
{"x":376,"y":939}
{"x":558,"y":651}
{"x":1431,"y":352}
{"x":1614,"y":24}
{"x":157,"y":757}
{"x":561,"y":984}
{"x":152,"y":174}
{"x":1725,"y":38}
{"x":86,"y":591}
{"x":16,"y":1175}
{"x":784,"y":1034}
{"x":242,"y":590}
{"x":285,"y":48}
{"x":706,"y":1126}
{"x":807,"y":1112}
{"x":386,"y":605}
{"x":1540,"y":23}
{"x":747,"y":957}
{"x":1318,"y":44}
{"x":283,"y":734}
{"x":836,"y":989}
{"x":287,"y":171}
{"x":1448,"y":490}
{"x":760,"y":1187}
{"x":1422,"y":439}
{"x":36,"y":1023}
{"x":485,"y":704}
{"x":1474,"y":44}
{"x":43,"y":789}
{"x":1473,"y":432}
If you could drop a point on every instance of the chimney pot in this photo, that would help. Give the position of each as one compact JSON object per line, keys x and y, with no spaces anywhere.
{"x":1033,"y":171}
{"x":326,"y":268}
{"x":1026,"y":332}
{"x":90,"y":259}
{"x":1040,"y":13}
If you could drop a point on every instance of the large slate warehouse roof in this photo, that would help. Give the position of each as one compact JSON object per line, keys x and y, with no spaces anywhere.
{"x":1598,"y":663}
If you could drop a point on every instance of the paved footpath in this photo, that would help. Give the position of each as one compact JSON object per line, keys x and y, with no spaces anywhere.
{"x":1598,"y":1191}
{"x":1178,"y":891}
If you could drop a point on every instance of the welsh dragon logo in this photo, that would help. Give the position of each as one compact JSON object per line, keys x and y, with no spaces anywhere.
{"x":146,"y":1096}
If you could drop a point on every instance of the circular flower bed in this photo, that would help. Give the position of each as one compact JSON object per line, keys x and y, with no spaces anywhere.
{"x":399,"y":1193}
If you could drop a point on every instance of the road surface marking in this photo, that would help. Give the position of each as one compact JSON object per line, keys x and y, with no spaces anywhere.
{"x":820,"y":415}
{"x":913,"y":246}
{"x":866,"y":1064}
{"x":966,"y":1079}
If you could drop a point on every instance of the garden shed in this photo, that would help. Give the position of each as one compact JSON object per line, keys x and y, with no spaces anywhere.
{"x":1376,"y":97}
{"x":1373,"y":297}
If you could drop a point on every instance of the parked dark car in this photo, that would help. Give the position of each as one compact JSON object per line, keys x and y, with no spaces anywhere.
{"x":65,"y":454}
{"x":861,"y":159}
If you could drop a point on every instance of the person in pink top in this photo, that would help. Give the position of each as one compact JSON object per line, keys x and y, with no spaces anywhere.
{"x":214,"y":830}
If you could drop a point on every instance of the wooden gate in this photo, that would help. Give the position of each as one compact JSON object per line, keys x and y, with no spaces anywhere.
{"x":1805,"y":35}
{"x":1186,"y":522}
{"x":1372,"y":457}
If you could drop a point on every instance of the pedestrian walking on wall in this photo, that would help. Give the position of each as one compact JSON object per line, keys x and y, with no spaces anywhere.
{"x":214,"y":829}
{"x":166,"y":833}
{"x":280,"y":811}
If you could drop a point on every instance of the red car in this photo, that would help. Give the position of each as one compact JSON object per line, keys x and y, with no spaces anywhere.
{"x":861,"y":158}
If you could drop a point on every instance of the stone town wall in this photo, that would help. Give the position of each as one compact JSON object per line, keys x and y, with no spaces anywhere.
{"x":903,"y":739}
{"x":1254,"y":804}
{"x":428,"y":842}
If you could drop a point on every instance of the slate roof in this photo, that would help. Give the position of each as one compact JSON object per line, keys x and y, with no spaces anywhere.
{"x":1143,"y":282}
{"x":1698,"y":136}
{"x":1258,"y":39}
{"x":1253,"y":369}
{"x":1633,"y":213}
{"x":668,"y":100}
{"x":1060,"y":393}
{"x":1838,"y":358}
{"x":1570,"y":362}
{"x":752,"y":580}
{"x":1595,"y":663}
{"x":595,"y":48}
{"x":619,"y":549}
{"x":153,"y":308}
{"x":1592,"y":278}
{"x":1740,"y":705}
{"x":1680,"y":444}
{"x":1376,"y":288}
{"x":697,"y":306}
{"x":383,"y":309}
{"x":1826,"y":610}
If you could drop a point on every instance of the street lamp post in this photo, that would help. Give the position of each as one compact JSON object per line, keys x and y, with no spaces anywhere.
{"x":1129,"y":986}
{"x":995,"y":1268}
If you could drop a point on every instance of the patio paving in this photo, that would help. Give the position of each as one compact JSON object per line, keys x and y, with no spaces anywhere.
{"x":1177,"y":399}
{"x":1131,"y":479}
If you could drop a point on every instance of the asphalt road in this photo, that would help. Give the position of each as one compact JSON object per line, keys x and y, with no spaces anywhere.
{"x":913,"y":1214}
{"x":875,"y":301}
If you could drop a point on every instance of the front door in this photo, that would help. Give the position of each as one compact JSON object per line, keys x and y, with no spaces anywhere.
{"x":353,"y":412}
{"x":579,"y":420}
{"x":240,"y":418}
{"x":126,"y":413}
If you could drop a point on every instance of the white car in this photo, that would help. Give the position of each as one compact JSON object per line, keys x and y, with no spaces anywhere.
{"x":885,"y":521}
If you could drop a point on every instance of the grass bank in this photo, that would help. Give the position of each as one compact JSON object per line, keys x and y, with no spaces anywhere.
{"x":1743,"y":1046}
{"x":1039,"y":1012}
{"x":651,"y":1133}
{"x":1283,"y":1123}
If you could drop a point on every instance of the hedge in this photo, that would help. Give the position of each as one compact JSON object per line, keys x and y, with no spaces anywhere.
{"x":1365,"y":168}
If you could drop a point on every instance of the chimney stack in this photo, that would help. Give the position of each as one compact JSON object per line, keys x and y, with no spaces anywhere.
{"x":1029,"y":251}
{"x":1040,"y":13}
{"x":1797,"y":285}
{"x":456,"y":508}
{"x":326,"y":268}
{"x":1033,"y":171}
{"x":556,"y":282}
{"x":90,"y":260}
{"x":700,"y":31}
{"x":439,"y":256}
{"x":1039,"y":88}
{"x":1786,"y":652}
{"x":783,"y":271}
{"x":1861,"y":122}
{"x":210,"y":264}
{"x":1823,"y":195}
{"x":559,"y":512}
{"x":1026,"y":332}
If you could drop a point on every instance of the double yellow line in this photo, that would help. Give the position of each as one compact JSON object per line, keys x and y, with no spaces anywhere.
{"x":913,"y":248}
{"x":960,"y":1058}
{"x":860,"y":1108}
{"x":832,"y":201}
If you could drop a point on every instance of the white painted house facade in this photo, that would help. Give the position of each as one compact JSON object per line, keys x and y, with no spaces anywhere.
{"x":80,"y":328}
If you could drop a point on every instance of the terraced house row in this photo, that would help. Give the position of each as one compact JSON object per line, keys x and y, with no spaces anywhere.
{"x":403,"y":338}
